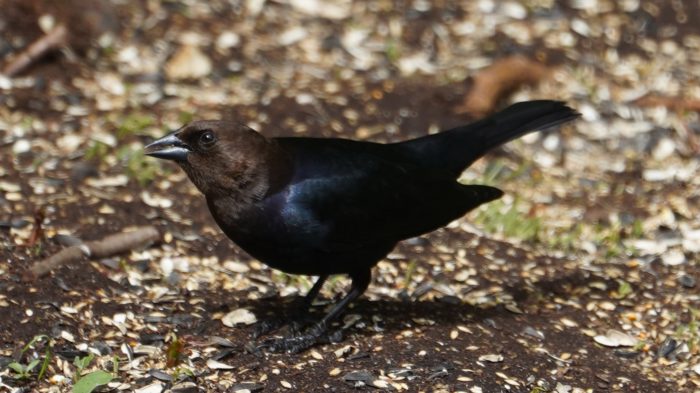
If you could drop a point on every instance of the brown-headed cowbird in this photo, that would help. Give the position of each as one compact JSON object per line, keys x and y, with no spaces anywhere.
{"x":320,"y":206}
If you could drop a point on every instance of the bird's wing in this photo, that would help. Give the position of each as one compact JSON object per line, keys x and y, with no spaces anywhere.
{"x":369,"y":198}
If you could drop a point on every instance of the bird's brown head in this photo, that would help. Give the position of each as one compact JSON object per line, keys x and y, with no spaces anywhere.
{"x":220,"y":157}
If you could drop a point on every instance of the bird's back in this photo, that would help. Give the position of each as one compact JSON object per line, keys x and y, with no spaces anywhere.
{"x":360,"y":191}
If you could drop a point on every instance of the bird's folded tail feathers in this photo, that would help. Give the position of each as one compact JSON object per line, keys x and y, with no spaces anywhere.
{"x":519,"y":119}
{"x":455,"y":149}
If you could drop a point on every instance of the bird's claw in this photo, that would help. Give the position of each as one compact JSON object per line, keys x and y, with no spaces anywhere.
{"x":299,"y":342}
{"x":294,"y":326}
{"x":267,"y":326}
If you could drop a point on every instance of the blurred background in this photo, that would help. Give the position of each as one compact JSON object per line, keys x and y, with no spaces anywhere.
{"x":84,"y":85}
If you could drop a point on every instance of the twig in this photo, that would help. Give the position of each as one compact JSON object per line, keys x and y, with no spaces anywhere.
{"x":672,"y":103}
{"x":679,"y":105}
{"x":498,"y":80}
{"x":37,"y":231}
{"x":113,"y":244}
{"x":692,"y":142}
{"x":46,"y":43}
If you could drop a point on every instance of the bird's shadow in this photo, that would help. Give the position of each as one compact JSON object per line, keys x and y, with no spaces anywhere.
{"x":394,"y":314}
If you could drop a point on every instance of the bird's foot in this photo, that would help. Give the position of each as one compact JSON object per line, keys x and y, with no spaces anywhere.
{"x":317,"y":334}
{"x":294,"y":325}
{"x":268,"y":325}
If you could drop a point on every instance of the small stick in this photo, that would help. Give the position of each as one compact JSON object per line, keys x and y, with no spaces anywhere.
{"x":37,"y":231}
{"x":678,"y":105}
{"x":673,"y":103}
{"x":110,"y":245}
{"x":49,"y":41}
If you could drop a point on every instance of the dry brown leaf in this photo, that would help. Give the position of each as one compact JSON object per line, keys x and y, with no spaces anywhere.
{"x":498,"y":80}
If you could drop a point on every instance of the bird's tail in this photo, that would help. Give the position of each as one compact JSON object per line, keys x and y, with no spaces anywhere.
{"x":454,"y":150}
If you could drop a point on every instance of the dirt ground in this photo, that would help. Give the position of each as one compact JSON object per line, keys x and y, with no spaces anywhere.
{"x":581,"y":279}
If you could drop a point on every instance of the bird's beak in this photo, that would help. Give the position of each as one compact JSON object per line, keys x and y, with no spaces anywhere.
{"x":169,"y":147}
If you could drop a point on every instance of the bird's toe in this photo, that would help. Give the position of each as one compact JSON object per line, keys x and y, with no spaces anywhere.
{"x":266,"y":326}
{"x":296,"y":343}
{"x":294,"y":325}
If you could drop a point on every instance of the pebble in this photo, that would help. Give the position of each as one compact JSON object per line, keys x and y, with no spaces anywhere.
{"x":160,"y":375}
{"x":82,"y":170}
{"x":627,"y":354}
{"x":128,"y":54}
{"x":239,"y":316}
{"x":110,"y":181}
{"x":667,"y":347}
{"x":152,"y":388}
{"x":21,"y":146}
{"x":102,"y":348}
{"x":463,"y":275}
{"x":379,"y":384}
{"x":221,"y":342}
{"x":514,"y":10}
{"x":673,"y":258}
{"x":358,"y":355}
{"x":189,"y":62}
{"x":57,"y":379}
{"x":111,"y":83}
{"x":169,"y":265}
{"x":664,"y":149}
{"x":46,"y":22}
{"x":581,"y":27}
{"x":236,"y":267}
{"x":5,"y":83}
{"x":148,"y":350}
{"x":491,"y":358}
{"x":334,"y":372}
{"x":615,"y":338}
{"x":186,"y":387}
{"x":249,"y":386}
{"x":217,"y":365}
{"x":530,"y":331}
{"x":67,"y":336}
{"x":16,"y":223}
{"x":222,"y":354}
{"x":648,"y":247}
{"x":361,"y":375}
{"x":659,"y":174}
{"x":691,"y":240}
{"x":227,"y":39}
{"x":337,"y":9}
{"x":551,"y":142}
{"x":155,"y":200}
{"x":292,"y":36}
{"x":419,"y":62}
{"x":4,"y":361}
{"x":687,"y":281}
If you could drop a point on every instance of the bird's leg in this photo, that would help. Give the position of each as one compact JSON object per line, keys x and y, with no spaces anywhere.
{"x":316,"y":333}
{"x":298,"y":316}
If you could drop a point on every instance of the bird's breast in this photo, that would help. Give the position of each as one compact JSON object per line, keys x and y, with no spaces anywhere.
{"x":268,"y":224}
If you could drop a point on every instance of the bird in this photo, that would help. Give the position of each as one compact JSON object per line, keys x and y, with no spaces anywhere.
{"x":329,"y":206}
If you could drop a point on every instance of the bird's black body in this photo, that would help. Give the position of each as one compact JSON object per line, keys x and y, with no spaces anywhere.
{"x":346,"y":206}
{"x":330,"y":206}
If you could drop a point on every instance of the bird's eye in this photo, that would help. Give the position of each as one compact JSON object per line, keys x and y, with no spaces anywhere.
{"x":207,"y":138}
